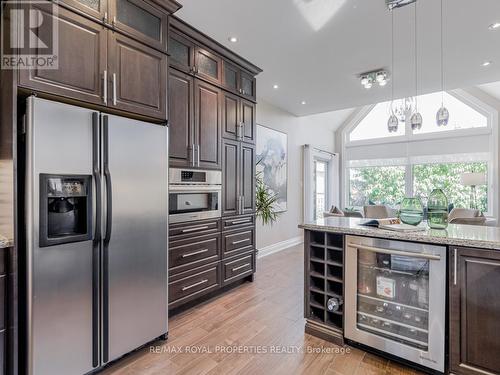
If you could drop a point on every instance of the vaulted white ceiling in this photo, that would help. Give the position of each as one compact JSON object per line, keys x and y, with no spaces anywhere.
{"x":316,"y":49}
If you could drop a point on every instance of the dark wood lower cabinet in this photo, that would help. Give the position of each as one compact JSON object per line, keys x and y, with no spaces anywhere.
{"x":474,"y":311}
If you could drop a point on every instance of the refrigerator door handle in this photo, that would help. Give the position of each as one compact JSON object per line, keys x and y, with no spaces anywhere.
{"x":97,"y":175}
{"x":107,"y":177}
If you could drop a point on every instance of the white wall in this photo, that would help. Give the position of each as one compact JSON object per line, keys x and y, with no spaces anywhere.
{"x":316,"y":130}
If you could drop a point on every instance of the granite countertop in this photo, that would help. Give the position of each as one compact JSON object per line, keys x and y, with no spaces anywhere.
{"x":5,"y":242}
{"x":455,"y":235}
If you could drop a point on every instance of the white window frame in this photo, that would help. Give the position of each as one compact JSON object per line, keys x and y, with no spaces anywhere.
{"x":469,"y":98}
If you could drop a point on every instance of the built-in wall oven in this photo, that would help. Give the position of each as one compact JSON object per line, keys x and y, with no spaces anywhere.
{"x":395,"y":297}
{"x":194,"y":194}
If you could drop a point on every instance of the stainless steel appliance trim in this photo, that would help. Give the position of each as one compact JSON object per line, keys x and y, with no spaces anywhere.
{"x":213,"y":177}
{"x":194,"y":229}
{"x":455,"y":266}
{"x":194,"y":285}
{"x":30,"y":243}
{"x":240,"y":267}
{"x":434,"y":356}
{"x":395,"y":252}
{"x":393,"y":334}
{"x":194,"y":253}
{"x":114,"y":88}
{"x":195,"y":188}
{"x":105,"y":87}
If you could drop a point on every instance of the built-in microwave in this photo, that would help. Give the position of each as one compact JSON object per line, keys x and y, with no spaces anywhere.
{"x":194,"y":194}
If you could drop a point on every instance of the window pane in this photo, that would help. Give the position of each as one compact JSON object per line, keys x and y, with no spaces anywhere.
{"x":376,"y":185}
{"x":462,"y":116}
{"x":320,"y":188}
{"x":427,"y":177}
{"x":374,"y":125}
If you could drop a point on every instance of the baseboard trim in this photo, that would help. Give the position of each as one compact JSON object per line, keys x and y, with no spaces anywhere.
{"x":280,"y":246}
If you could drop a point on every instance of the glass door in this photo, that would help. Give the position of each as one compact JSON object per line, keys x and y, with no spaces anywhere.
{"x":320,"y":187}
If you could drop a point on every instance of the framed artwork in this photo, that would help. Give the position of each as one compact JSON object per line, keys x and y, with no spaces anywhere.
{"x":272,"y":162}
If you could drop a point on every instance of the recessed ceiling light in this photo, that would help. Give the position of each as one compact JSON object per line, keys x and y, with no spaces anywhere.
{"x":486,"y":63}
{"x":303,"y":102}
{"x":276,"y":87}
{"x":494,"y":26}
{"x":233,"y":39}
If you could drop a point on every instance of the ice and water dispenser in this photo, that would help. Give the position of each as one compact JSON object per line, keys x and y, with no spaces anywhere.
{"x":65,"y":209}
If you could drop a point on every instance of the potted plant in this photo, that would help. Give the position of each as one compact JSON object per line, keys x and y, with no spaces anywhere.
{"x":265,"y":201}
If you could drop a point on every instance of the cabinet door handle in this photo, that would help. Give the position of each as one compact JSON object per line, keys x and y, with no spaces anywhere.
{"x":240,"y":267}
{"x":240,"y":241}
{"x":193,"y":150}
{"x":105,"y":87}
{"x":105,"y":18}
{"x":198,"y":155}
{"x":114,"y":88}
{"x":194,"y":253}
{"x":455,"y":266}
{"x":194,"y":229}
{"x":240,"y":221}
{"x":195,"y":284}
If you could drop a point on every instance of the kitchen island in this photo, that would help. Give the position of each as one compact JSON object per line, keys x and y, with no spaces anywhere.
{"x":431,"y":297}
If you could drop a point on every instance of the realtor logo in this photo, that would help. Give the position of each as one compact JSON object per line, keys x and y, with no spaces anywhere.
{"x":29,"y":35}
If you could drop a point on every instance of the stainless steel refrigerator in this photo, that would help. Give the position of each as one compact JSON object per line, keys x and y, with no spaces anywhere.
{"x":96,"y":236}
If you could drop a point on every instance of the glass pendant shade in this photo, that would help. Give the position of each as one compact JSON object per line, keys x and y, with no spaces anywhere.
{"x":442,"y":116}
{"x":416,"y":121}
{"x":437,"y":210}
{"x":392,"y":124}
{"x":411,"y":211}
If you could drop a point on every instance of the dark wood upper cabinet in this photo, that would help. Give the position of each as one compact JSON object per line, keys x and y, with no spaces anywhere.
{"x":142,"y":20}
{"x":81,"y":60}
{"x":208,"y":65}
{"x":248,"y":123}
{"x":231,"y":171}
{"x":230,"y":115}
{"x":138,"y":77}
{"x":180,"y":118}
{"x":207,"y":125}
{"x":247,"y":179}
{"x":94,"y":8}
{"x":181,"y":51}
{"x":247,"y":85}
{"x":230,"y":77}
{"x":474,"y":311}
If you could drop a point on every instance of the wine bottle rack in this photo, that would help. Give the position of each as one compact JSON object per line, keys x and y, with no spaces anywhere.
{"x":324,"y":279}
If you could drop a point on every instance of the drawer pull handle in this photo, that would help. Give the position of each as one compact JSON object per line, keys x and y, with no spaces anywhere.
{"x":240,"y":241}
{"x":195,"y":284}
{"x":194,"y":229}
{"x":240,"y":267}
{"x":239,"y":221}
{"x":194,"y":253}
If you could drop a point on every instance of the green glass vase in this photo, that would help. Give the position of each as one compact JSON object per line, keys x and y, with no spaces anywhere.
{"x":437,"y":210}
{"x":411,"y":211}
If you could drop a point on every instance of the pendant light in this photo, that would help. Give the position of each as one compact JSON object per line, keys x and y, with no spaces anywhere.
{"x":416,"y":118}
{"x":442,"y":115}
{"x":393,"y":122}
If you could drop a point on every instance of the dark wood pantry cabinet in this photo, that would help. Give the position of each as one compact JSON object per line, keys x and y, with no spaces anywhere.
{"x":212,"y":126}
{"x":474,"y":311}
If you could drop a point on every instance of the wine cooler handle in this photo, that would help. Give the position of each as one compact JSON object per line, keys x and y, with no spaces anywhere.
{"x":394,"y":252}
{"x":455,"y":266}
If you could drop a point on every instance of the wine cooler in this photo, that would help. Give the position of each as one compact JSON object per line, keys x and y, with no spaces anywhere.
{"x":395,"y":297}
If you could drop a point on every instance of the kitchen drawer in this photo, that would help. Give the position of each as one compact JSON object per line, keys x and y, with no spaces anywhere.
{"x":236,"y":242}
{"x":193,"y":228}
{"x":193,"y":285}
{"x":194,"y":252}
{"x":238,"y":267}
{"x":237,"y":222}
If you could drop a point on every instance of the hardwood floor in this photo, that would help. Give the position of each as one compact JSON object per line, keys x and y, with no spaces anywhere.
{"x":262,"y":323}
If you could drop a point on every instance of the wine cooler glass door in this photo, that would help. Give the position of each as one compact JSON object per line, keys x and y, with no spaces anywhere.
{"x":392,"y":299}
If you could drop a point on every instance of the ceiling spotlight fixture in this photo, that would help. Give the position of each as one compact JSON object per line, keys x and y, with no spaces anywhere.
{"x":486,"y":63}
{"x":378,"y":76}
{"x":494,"y":26}
{"x":392,"y":4}
{"x":276,"y":87}
{"x":233,"y":39}
{"x":303,"y":102}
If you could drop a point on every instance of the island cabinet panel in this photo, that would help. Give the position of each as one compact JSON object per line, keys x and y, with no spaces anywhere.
{"x":81,"y":62}
{"x":474,"y":311}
